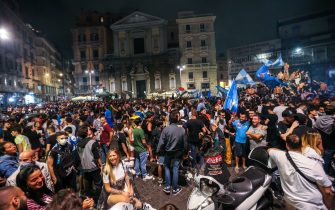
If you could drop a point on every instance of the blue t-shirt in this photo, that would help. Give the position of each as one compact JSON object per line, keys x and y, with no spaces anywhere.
{"x":108,"y":116}
{"x":241,"y":129}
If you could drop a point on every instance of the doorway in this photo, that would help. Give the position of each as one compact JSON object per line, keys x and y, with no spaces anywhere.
{"x":140,"y":88}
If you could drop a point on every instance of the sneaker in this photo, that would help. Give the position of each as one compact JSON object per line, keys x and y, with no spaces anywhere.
{"x":147,"y":206}
{"x":160,"y":180}
{"x":147,"y":177}
{"x":176,"y":191}
{"x":167,"y":190}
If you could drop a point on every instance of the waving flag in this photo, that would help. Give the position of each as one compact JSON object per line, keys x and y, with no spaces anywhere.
{"x":266,"y":62}
{"x":272,"y":82}
{"x":222,"y":90}
{"x":231,"y":102}
{"x":244,"y":78}
{"x":278,"y":62}
{"x":262,"y":72}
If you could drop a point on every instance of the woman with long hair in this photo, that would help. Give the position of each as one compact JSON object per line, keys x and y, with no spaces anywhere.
{"x":312,"y":146}
{"x":116,"y":181}
{"x":30,"y":179}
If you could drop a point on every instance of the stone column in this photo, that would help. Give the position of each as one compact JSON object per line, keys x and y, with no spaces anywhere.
{"x":133,"y":86}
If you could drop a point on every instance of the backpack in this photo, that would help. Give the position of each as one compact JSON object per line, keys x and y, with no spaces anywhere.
{"x":65,"y":163}
{"x":115,"y":140}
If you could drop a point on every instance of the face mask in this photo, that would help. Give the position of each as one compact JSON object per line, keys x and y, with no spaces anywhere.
{"x":125,"y":129}
{"x":321,"y":113}
{"x":62,"y":141}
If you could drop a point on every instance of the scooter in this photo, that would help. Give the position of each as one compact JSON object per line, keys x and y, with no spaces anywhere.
{"x":250,"y":190}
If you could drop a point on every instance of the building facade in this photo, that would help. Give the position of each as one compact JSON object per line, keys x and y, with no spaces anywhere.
{"x":92,"y":41}
{"x":24,"y":56}
{"x":145,"y":56}
{"x":308,"y":43}
{"x":249,"y":57}
{"x":222,"y":70}
{"x":198,"y":51}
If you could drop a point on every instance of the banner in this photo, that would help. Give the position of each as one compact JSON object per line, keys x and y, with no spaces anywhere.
{"x":231,"y":102}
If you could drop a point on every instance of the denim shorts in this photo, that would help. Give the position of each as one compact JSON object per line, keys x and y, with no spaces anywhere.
{"x":240,"y":149}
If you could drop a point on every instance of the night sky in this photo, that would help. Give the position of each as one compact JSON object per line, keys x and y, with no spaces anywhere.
{"x":238,"y":22}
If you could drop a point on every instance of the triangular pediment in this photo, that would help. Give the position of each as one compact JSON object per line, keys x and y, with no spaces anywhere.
{"x":137,"y":18}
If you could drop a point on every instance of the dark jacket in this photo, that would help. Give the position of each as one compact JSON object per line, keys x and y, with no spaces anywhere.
{"x":173,"y":141}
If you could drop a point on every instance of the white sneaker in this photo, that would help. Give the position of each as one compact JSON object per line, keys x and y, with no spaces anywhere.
{"x":148,"y":177}
{"x":147,"y":206}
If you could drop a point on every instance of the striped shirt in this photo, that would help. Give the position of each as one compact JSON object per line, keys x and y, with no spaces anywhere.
{"x":32,"y":205}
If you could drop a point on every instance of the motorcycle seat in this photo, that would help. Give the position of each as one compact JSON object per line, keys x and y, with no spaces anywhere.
{"x":241,"y":188}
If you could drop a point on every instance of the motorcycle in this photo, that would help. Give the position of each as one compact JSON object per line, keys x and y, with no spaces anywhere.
{"x":250,"y":190}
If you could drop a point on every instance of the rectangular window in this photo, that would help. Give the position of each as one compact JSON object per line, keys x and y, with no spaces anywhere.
{"x":190,"y":75}
{"x":157,"y":83}
{"x":124,"y":85}
{"x":203,"y":60}
{"x":84,"y":79}
{"x":139,"y":46}
{"x":189,"y":44}
{"x":81,"y":38}
{"x":203,"y":43}
{"x":172,"y":36}
{"x":188,"y":28}
{"x":202,"y":27}
{"x":94,"y":37}
{"x":189,"y":61}
{"x":204,"y":85}
{"x":96,"y":53}
{"x":82,"y":54}
{"x":204,"y":75}
{"x":190,"y":86}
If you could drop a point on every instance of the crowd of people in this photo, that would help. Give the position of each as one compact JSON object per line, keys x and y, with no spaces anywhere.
{"x":86,"y":155}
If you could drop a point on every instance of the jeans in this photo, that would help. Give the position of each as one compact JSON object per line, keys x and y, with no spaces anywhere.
{"x":175,"y":171}
{"x":141,"y":162}
{"x":92,"y":184}
{"x":104,"y":150}
{"x":197,"y":159}
{"x":327,"y":157}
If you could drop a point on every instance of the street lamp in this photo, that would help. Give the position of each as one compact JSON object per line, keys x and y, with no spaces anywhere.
{"x":61,"y":75}
{"x":90,"y":72}
{"x":180,"y":69}
{"x":4,"y":35}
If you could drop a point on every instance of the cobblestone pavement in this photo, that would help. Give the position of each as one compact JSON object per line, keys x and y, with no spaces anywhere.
{"x":151,"y":192}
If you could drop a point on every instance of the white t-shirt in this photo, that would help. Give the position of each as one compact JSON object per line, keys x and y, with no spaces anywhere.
{"x":298,"y":191}
{"x":118,"y":171}
{"x":312,"y":154}
{"x":278,"y":110}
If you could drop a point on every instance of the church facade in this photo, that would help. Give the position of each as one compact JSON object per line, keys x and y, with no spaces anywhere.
{"x":145,"y":56}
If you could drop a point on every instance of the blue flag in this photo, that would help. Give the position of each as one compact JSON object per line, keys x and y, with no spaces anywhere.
{"x":222,"y":90}
{"x":267,"y":62}
{"x":278,"y":62}
{"x":231,"y":102}
{"x":244,"y":78}
{"x":209,"y":94}
{"x":262,"y":72}
{"x":272,"y":82}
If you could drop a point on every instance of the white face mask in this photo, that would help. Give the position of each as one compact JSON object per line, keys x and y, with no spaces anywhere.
{"x":62,"y":141}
